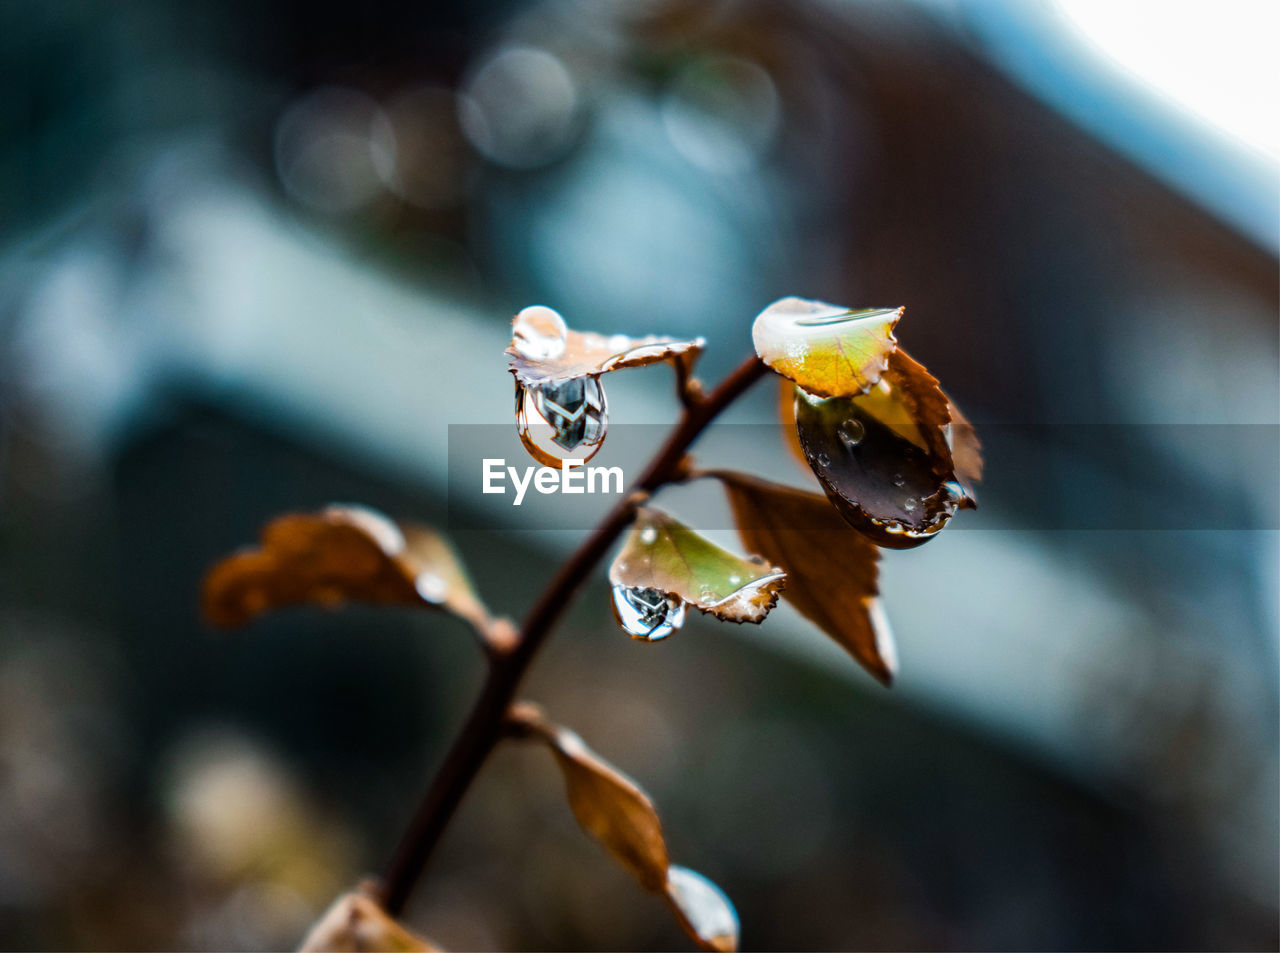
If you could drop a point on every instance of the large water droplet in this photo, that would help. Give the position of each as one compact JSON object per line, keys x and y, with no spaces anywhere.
{"x":539,"y":333}
{"x":851,"y":432}
{"x":647,"y":614}
{"x":562,"y":420}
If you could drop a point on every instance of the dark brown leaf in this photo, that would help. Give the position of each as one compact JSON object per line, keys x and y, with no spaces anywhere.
{"x":543,"y":350}
{"x":356,"y":924}
{"x":341,"y":554}
{"x":884,"y":459}
{"x":831,"y":568}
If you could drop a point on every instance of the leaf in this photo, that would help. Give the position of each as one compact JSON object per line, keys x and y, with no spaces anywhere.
{"x":884,"y":458}
{"x":611,"y":808}
{"x":608,"y":805}
{"x":354,"y":923}
{"x":828,"y":350}
{"x":663,"y":554}
{"x":831,"y":568}
{"x":341,"y":554}
{"x":704,"y":911}
{"x":544,"y":350}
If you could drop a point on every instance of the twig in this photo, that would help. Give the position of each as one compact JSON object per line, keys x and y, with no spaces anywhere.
{"x":486,"y":723}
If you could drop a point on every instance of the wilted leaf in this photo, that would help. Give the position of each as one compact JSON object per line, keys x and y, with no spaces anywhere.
{"x":966,"y":452}
{"x":341,"y":554}
{"x":703,"y":910}
{"x":544,"y":350}
{"x":884,"y":459}
{"x":828,"y":350}
{"x":831,"y":568}
{"x":356,"y":924}
{"x":608,"y":805}
{"x":665,"y":555}
{"x":611,"y":808}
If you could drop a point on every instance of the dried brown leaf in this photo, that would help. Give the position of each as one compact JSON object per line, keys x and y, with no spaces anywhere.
{"x":663,"y":554}
{"x":341,"y":554}
{"x":544,"y":350}
{"x":611,"y":808}
{"x":608,"y":805}
{"x":885,"y":458}
{"x":703,"y":910}
{"x":831,"y":568}
{"x":354,"y":923}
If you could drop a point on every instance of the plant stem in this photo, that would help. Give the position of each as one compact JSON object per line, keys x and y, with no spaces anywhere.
{"x":485,"y":725}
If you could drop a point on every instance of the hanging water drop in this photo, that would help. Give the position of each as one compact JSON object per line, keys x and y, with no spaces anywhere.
{"x":562,"y":420}
{"x":647,"y":614}
{"x":539,"y":334}
{"x":851,"y":432}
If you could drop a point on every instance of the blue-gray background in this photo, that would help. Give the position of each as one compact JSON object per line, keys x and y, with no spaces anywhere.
{"x":259,"y":257}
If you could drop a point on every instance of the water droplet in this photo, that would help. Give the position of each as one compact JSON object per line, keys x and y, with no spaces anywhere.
{"x":539,"y":333}
{"x":899,"y":480}
{"x":647,"y":614}
{"x":851,"y":432}
{"x":909,"y":505}
{"x":648,"y":535}
{"x":562,"y":420}
{"x":824,"y":460}
{"x":735,"y":579}
{"x":431,"y":587}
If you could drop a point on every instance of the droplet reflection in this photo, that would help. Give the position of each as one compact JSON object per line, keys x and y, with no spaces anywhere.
{"x":562,"y":420}
{"x":647,"y":614}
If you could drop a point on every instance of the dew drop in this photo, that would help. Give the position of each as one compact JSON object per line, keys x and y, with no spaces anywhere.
{"x":539,"y":333}
{"x":648,"y":535}
{"x":735,"y":579}
{"x":824,"y":460}
{"x":851,"y":432}
{"x":431,"y":587}
{"x":909,"y":505}
{"x":647,"y":614}
{"x":562,"y":420}
{"x":899,"y":480}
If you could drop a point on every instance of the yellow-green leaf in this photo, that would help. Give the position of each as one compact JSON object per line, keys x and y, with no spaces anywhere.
{"x":663,"y":554}
{"x":828,"y":350}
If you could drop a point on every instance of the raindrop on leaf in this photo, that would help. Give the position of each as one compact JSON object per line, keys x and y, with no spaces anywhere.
{"x":539,"y":333}
{"x":851,"y":432}
{"x":647,"y":614}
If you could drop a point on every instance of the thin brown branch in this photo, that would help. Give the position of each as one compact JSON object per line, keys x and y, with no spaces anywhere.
{"x":486,"y":724}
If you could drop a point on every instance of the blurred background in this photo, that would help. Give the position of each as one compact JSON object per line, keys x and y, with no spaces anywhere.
{"x":259,"y":257}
